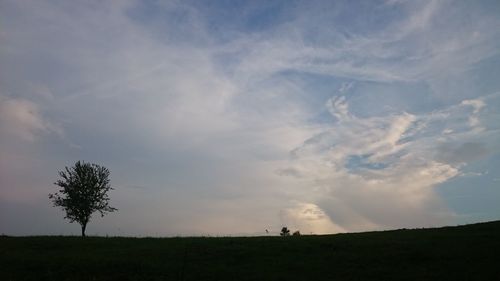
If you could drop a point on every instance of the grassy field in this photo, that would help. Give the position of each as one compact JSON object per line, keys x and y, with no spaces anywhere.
{"x":469,"y":252}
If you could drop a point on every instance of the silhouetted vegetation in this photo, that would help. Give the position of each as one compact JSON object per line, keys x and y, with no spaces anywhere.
{"x":451,"y":253}
{"x":84,"y":190}
{"x":285,"y":231}
{"x":296,"y":233}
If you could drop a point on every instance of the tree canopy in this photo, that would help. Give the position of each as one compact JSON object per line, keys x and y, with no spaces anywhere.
{"x":84,"y":191}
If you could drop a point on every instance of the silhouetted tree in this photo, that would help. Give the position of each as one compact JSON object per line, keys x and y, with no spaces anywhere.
{"x":296,"y":233}
{"x":285,"y":231}
{"x":84,"y":190}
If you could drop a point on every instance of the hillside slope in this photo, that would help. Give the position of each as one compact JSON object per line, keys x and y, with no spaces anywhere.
{"x":470,"y":252}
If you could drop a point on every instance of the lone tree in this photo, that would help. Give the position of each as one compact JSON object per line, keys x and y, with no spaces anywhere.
{"x":84,"y":190}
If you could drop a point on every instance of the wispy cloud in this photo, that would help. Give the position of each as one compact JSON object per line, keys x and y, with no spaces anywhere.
{"x":20,"y":119}
{"x":378,"y":103}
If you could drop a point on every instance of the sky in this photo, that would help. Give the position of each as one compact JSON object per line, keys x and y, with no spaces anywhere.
{"x":233,"y":117}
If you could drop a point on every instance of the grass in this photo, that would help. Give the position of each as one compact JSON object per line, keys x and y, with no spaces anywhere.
{"x":470,"y":252}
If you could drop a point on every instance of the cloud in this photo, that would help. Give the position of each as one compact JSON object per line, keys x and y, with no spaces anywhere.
{"x":461,"y":153}
{"x":308,"y":218}
{"x":21,"y":119}
{"x":423,"y":44}
{"x":206,"y":110}
{"x":402,"y":158}
{"x":477,"y":105}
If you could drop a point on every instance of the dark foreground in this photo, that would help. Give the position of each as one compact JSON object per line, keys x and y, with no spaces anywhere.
{"x":469,"y":252}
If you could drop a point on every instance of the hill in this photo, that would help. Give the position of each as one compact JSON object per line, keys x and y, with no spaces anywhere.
{"x":470,"y":252}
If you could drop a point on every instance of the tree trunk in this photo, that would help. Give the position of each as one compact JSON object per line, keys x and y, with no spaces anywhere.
{"x":83,"y":229}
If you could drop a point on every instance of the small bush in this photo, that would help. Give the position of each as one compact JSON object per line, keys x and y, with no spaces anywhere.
{"x":285,"y":231}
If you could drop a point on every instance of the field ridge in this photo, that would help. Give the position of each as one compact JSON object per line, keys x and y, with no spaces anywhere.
{"x":466,"y":252}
